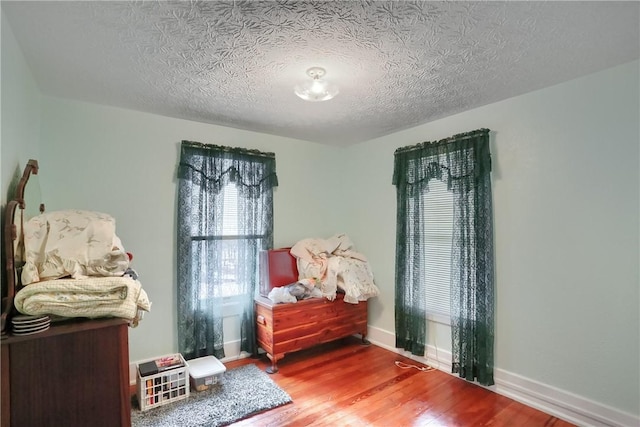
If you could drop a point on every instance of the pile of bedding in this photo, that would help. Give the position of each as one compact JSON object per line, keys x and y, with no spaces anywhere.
{"x":76,"y":266}
{"x":335,"y":264}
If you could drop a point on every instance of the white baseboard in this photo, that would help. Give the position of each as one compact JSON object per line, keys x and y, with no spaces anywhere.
{"x":560,"y":403}
{"x":551,"y":400}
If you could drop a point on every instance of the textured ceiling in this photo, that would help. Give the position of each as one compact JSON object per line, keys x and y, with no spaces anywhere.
{"x":398,"y":64}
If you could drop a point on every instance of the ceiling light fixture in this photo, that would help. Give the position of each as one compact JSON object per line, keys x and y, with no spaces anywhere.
{"x":316,"y":89}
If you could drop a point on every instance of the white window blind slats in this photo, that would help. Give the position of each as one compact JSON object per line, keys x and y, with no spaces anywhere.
{"x":437,"y":220}
{"x":230,"y":214}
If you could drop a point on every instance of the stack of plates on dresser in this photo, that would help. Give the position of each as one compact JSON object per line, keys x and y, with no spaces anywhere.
{"x":27,"y":325}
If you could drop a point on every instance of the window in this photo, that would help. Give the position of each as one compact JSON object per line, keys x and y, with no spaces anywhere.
{"x":436,"y":243}
{"x":430,"y":230}
{"x":226,"y":279}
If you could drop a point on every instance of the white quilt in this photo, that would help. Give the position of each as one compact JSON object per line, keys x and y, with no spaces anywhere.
{"x":94,"y":297}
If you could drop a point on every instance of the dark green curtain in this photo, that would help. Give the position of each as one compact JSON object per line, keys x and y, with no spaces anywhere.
{"x":463,"y":162}
{"x":205,"y":275}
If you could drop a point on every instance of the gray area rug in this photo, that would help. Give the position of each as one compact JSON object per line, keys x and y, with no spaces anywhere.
{"x":243,"y":391}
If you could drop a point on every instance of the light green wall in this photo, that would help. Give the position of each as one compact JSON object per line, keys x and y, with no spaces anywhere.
{"x":19,"y":111}
{"x":566,"y":191}
{"x":123,"y":162}
{"x":566,"y":196}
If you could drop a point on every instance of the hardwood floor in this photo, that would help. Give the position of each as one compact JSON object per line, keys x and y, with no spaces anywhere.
{"x":348,"y":384}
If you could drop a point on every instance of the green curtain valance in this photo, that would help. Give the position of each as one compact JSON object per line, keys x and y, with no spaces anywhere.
{"x":453,"y":160}
{"x":214,"y":166}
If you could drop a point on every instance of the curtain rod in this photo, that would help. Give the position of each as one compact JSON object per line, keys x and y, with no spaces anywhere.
{"x":194,"y":144}
{"x":457,"y":137}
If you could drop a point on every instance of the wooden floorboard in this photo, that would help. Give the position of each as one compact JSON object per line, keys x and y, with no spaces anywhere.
{"x":348,"y":384}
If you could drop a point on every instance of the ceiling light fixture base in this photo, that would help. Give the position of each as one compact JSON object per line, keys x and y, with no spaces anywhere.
{"x":316,"y":72}
{"x":316,"y":89}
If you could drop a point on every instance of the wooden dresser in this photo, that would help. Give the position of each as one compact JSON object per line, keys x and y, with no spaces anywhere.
{"x":74,"y":374}
{"x":285,"y":328}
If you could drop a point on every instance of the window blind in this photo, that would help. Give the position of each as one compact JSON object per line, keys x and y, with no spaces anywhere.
{"x":437,"y":237}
